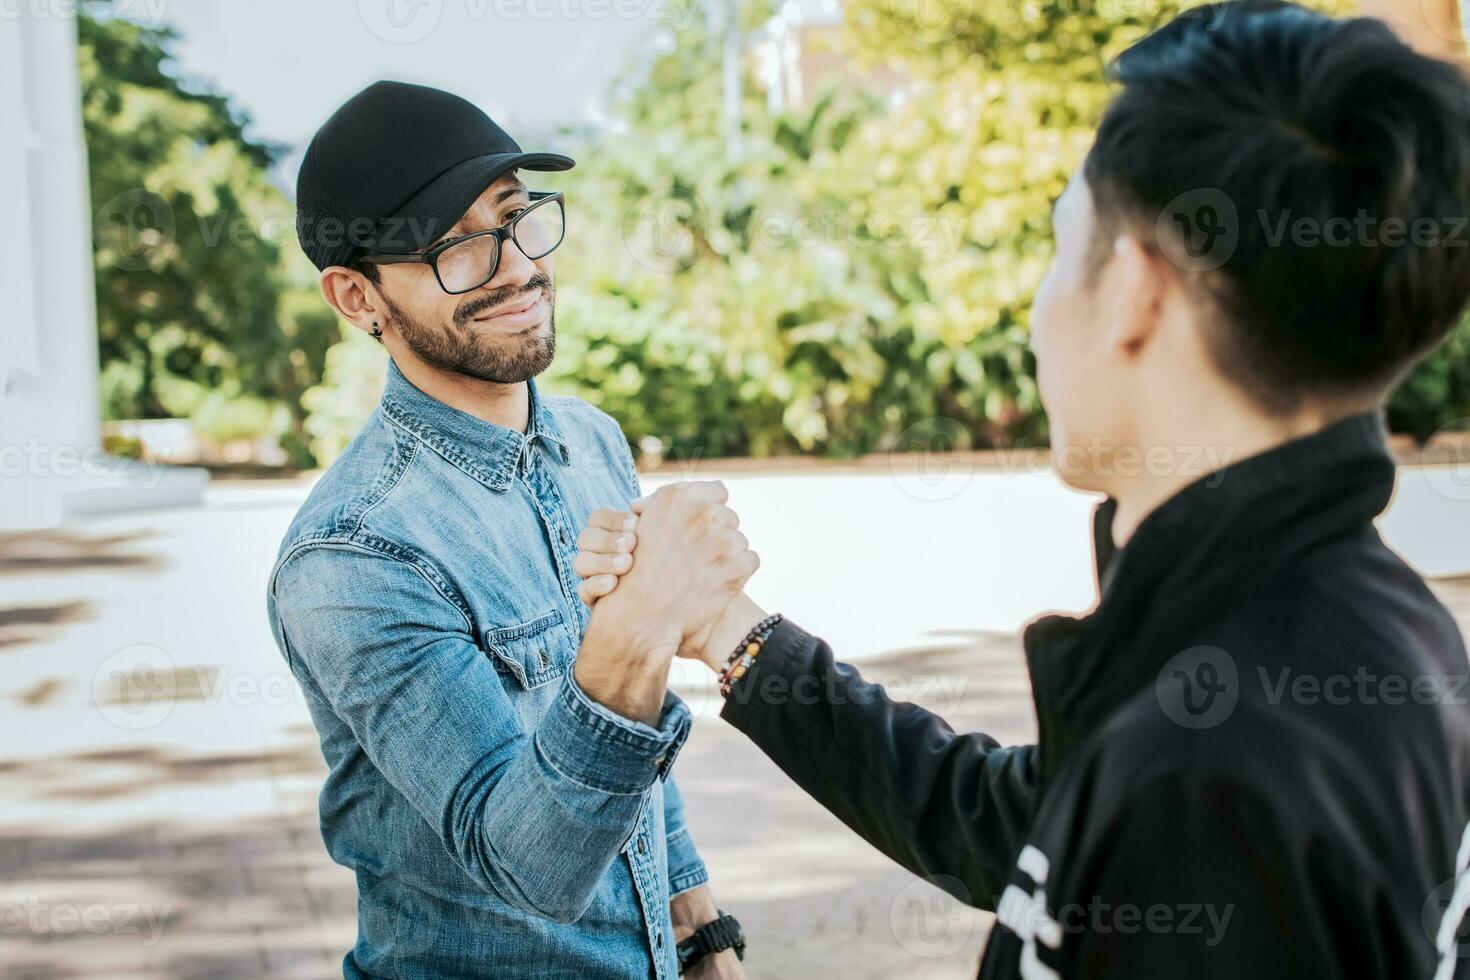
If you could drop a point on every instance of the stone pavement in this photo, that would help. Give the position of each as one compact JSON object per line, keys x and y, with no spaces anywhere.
{"x":158,"y":771}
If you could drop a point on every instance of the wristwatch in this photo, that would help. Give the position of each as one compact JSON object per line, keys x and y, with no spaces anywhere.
{"x":712,"y":937}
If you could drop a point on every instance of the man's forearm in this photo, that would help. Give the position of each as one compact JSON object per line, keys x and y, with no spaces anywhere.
{"x":690,"y":910}
{"x":738,"y":619}
{"x":624,"y":662}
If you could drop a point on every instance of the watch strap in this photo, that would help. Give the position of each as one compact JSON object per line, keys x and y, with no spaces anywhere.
{"x":712,"y":937}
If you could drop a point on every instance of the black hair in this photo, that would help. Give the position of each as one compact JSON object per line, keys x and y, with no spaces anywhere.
{"x":1341,"y":156}
{"x":369,"y":269}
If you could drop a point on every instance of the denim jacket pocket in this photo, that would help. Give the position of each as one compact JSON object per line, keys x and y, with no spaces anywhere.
{"x":535,"y":651}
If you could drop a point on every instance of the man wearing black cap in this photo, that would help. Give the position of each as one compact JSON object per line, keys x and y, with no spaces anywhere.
{"x":498,"y":755}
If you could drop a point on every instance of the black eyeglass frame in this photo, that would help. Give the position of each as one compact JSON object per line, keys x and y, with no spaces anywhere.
{"x":505,"y":232}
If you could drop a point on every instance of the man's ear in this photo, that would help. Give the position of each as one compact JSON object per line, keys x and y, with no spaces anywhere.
{"x":1134,"y":286}
{"x":354,"y":298}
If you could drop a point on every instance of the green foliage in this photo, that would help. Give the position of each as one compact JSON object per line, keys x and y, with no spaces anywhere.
{"x":856,"y":274}
{"x":351,"y":386}
{"x":201,"y":290}
{"x":662,"y":382}
{"x":220,"y":418}
{"x":1437,"y":394}
{"x":857,"y":268}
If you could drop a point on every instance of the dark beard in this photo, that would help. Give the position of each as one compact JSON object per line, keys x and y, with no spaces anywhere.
{"x":458,"y":348}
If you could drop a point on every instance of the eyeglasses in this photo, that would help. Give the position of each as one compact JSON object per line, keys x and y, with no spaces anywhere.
{"x":466,"y":263}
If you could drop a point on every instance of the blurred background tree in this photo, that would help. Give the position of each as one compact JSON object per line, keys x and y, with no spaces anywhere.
{"x":856,"y":275}
{"x":838,"y":268}
{"x":205,"y":306}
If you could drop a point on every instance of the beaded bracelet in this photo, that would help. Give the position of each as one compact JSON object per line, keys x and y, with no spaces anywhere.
{"x":740,"y":661}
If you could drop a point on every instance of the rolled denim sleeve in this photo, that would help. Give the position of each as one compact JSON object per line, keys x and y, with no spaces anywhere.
{"x":686,"y":868}
{"x":396,"y":658}
{"x":623,"y":755}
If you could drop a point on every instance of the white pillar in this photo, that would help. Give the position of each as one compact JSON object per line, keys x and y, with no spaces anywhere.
{"x":51,"y":463}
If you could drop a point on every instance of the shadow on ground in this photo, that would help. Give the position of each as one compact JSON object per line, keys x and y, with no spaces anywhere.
{"x":172,"y":900}
{"x":205,"y":895}
{"x":53,"y":552}
{"x":256,"y":895}
{"x":198,"y":895}
{"x":58,"y":553}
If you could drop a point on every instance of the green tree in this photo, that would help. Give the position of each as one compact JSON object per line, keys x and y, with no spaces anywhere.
{"x":860,"y":269}
{"x":856,"y":275}
{"x":200,"y":308}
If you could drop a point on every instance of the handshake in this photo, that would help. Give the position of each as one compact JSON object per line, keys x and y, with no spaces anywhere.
{"x":665,"y":580}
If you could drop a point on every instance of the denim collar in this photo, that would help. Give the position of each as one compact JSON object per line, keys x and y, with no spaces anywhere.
{"x":490,"y":453}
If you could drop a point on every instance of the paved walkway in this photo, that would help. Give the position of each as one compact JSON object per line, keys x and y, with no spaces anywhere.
{"x":158,"y":770}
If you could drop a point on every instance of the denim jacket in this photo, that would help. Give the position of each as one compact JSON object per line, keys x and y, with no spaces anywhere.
{"x":500,"y":822}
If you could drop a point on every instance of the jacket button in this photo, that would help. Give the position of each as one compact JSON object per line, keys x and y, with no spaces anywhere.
{"x":544,"y":661}
{"x":642,"y":847}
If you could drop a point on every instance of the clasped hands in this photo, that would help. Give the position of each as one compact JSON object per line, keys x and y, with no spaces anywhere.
{"x":681,"y":594}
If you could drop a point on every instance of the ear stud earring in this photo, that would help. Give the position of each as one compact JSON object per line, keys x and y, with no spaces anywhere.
{"x":377,"y":332}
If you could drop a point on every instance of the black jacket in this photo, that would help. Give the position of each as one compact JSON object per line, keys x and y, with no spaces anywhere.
{"x":1254,"y":755}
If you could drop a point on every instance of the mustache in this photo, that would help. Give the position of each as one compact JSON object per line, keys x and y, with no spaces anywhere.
{"x":472,"y":308}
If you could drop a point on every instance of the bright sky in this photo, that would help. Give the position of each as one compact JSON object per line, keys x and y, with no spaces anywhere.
{"x":532,"y":64}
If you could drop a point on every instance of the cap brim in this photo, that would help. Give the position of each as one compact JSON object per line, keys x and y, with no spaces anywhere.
{"x":425,"y":218}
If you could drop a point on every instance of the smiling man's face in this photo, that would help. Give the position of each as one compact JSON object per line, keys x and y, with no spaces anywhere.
{"x":504,"y":331}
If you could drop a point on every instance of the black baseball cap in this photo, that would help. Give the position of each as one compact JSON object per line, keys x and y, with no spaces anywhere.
{"x":395,"y":167}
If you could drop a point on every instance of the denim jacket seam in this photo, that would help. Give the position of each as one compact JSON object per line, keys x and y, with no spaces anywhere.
{"x":550,"y":758}
{"x":607,"y":723}
{"x":403,"y":420}
{"x":520,"y":631}
{"x":405,"y":455}
{"x":613,"y":732}
{"x":349,"y":525}
{"x":623,"y":454}
{"x":370,"y":543}
{"x":649,"y":747}
{"x":630,"y":469}
{"x":388,"y":481}
{"x":620,"y":448}
{"x":676,"y":745}
{"x":685,"y":881}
